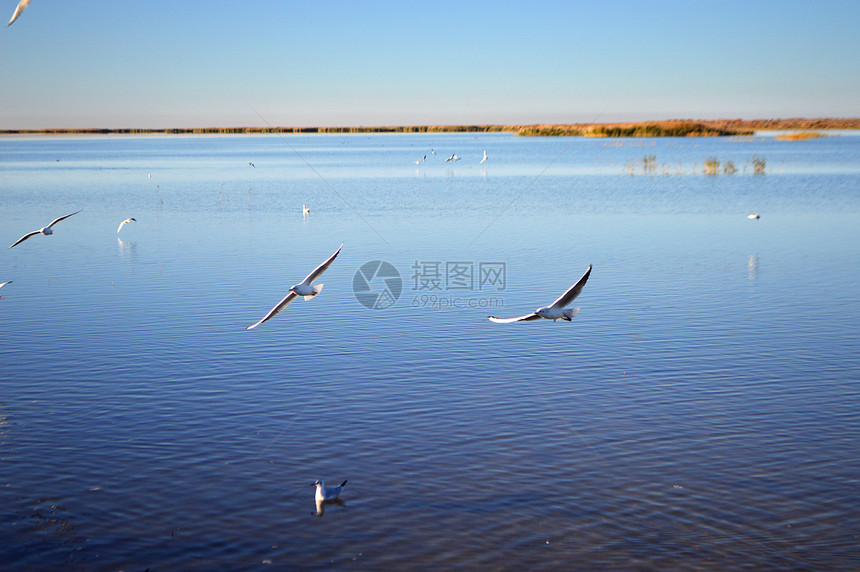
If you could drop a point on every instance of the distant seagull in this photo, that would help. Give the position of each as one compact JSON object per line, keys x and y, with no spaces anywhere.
{"x":253,"y":165}
{"x":453,"y":157}
{"x":485,"y":157}
{"x":324,"y":493}
{"x":303,"y":288}
{"x":126,"y":221}
{"x":3,"y":284}
{"x":753,"y":216}
{"x":433,"y":151}
{"x":18,"y":9}
{"x":419,"y":161}
{"x":305,"y":210}
{"x":46,"y":231}
{"x":554,"y":311}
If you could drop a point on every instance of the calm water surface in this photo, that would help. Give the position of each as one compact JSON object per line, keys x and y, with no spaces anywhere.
{"x":700,"y":412}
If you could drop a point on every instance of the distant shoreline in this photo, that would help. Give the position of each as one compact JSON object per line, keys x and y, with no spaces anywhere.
{"x":669,"y":128}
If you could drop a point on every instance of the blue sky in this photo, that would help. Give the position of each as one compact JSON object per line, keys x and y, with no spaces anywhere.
{"x":192,"y":63}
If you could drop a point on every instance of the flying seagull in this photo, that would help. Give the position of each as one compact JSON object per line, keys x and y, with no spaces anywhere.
{"x":18,"y":9}
{"x":303,"y":288}
{"x":753,"y":216}
{"x":554,"y":311}
{"x":3,"y":284}
{"x":419,"y":161}
{"x":324,"y":493}
{"x":305,"y":210}
{"x":126,"y":221}
{"x":46,"y":231}
{"x":453,"y":157}
{"x":253,"y":165}
{"x":485,"y":157}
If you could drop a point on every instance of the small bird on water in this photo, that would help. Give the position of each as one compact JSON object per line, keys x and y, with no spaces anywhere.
{"x":324,"y":493}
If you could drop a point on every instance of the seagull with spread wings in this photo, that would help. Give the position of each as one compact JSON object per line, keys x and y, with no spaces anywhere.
{"x":303,"y":288}
{"x":18,"y":9}
{"x":46,"y":231}
{"x":126,"y":221}
{"x":554,"y":311}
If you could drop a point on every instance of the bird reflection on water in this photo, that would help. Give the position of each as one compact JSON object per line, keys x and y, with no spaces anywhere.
{"x":127,"y":250}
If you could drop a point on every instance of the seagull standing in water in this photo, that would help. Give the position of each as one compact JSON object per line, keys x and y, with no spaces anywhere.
{"x":126,"y":221}
{"x":46,"y":231}
{"x":18,"y":9}
{"x":303,"y":288}
{"x":554,"y":311}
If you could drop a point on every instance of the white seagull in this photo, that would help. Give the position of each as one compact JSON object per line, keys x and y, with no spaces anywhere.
{"x":419,"y":161}
{"x":453,"y":157}
{"x":3,"y":284}
{"x":305,"y":210}
{"x":753,"y":216}
{"x":485,"y":157}
{"x":303,"y":288}
{"x":554,"y":311}
{"x":324,"y":493}
{"x":18,"y":9}
{"x":126,"y":221}
{"x":46,"y":231}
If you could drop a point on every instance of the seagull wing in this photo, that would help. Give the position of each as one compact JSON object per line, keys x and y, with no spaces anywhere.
{"x":25,"y":237}
{"x":4,"y":283}
{"x":120,"y":226}
{"x":322,"y":267}
{"x":281,"y":305}
{"x":572,"y":292}
{"x":56,"y":220}
{"x":18,"y":9}
{"x":526,"y":318}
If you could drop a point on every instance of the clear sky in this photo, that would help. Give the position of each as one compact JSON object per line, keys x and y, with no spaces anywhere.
{"x":193,"y":63}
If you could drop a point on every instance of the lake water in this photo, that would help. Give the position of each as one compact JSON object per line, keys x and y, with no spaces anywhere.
{"x":700,"y":412}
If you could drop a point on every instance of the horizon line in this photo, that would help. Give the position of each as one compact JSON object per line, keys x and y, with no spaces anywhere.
{"x":520,"y":128}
